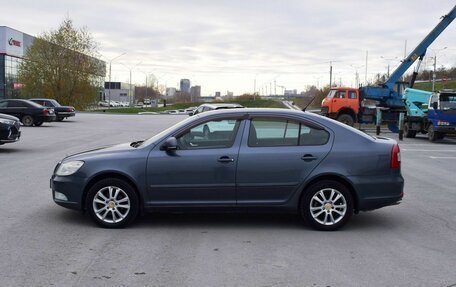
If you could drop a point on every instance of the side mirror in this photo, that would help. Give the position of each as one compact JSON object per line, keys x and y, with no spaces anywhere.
{"x":170,"y":144}
{"x":435,"y":105}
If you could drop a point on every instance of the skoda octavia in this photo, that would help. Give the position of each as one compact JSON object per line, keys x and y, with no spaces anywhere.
{"x":273,"y":160}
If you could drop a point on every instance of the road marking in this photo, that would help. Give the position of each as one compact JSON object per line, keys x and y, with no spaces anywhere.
{"x":449,"y":157}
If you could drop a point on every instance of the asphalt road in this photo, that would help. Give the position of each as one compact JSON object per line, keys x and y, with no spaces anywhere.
{"x":42,"y":244}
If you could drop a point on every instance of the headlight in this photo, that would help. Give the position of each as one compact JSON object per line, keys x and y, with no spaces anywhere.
{"x":68,"y":168}
{"x":7,"y":122}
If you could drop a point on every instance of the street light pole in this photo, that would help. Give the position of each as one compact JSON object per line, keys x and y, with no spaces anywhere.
{"x":435,"y":66}
{"x":109,"y":91}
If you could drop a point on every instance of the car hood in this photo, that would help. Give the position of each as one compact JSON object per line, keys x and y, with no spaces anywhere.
{"x":102,"y":151}
{"x":8,"y":117}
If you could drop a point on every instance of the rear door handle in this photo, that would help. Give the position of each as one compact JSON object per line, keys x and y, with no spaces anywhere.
{"x":308,"y":157}
{"x":225,"y":159}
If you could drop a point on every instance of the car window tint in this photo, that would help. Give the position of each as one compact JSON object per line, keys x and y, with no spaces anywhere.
{"x":210,"y":135}
{"x":3,"y":104}
{"x":16,"y":104}
{"x":282,"y":132}
{"x":273,"y":132}
{"x":312,"y":136}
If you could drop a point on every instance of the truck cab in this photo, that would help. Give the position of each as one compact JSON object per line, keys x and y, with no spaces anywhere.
{"x":342,"y":104}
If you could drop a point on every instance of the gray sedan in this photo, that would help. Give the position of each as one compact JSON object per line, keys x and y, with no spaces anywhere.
{"x":272,"y":160}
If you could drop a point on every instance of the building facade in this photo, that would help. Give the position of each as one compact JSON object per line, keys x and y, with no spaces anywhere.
{"x":13,"y":47}
{"x":195,"y":93}
{"x":116,"y":91}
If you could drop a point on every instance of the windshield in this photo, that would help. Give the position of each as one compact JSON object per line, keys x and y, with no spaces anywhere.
{"x":331,"y":94}
{"x":158,"y":136}
{"x":448,"y":101}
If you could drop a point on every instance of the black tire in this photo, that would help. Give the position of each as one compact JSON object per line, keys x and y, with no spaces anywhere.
{"x":59,"y":119}
{"x":346,"y":119}
{"x":408,"y":132}
{"x":341,"y":202}
{"x":112,"y":207}
{"x":38,"y":124}
{"x":432,"y":134}
{"x":27,"y":120}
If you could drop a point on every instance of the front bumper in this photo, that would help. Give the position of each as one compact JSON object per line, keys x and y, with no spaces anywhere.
{"x":446,"y":129}
{"x":10,"y":134}
{"x":71,"y":187}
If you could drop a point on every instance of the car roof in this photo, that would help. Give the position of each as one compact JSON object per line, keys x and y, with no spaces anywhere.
{"x":218,"y":105}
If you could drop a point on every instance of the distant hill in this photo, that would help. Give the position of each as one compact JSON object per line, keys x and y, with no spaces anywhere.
{"x":427,"y":86}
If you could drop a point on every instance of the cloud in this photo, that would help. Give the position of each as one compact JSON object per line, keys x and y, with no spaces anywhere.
{"x":224,"y":45}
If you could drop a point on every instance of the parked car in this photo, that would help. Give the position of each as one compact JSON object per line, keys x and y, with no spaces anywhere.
{"x":103,"y":104}
{"x":10,"y":129}
{"x":61,"y":112}
{"x":270,"y":159}
{"x":211,"y":107}
{"x":28,"y":112}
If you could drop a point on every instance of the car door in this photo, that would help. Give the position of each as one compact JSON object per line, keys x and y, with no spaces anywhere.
{"x":201,"y":171}
{"x":276,"y":155}
{"x":339,"y":100}
{"x":16,"y":108}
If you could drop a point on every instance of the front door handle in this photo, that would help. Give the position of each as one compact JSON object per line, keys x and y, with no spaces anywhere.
{"x":308,"y":157}
{"x":225,"y":159}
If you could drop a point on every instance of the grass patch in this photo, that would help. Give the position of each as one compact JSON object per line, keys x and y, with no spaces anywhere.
{"x":427,"y":86}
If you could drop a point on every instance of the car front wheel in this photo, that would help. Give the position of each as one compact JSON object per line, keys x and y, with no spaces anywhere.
{"x":112,"y":203}
{"x":327,"y":205}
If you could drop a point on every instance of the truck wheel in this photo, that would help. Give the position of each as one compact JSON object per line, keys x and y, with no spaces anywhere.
{"x":346,"y":119}
{"x":432,"y":134}
{"x":408,"y":132}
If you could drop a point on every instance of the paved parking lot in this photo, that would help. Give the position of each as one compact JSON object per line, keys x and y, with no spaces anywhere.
{"x":42,"y":244}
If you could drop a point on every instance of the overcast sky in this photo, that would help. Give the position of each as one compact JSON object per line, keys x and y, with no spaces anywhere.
{"x":226,"y":45}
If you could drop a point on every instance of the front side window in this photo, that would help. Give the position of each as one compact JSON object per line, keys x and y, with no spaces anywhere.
{"x":352,"y":95}
{"x":282,"y":132}
{"x":210,"y":135}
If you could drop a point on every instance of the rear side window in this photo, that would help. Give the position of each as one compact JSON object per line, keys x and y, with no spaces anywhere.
{"x":16,"y":104}
{"x":282,"y":132}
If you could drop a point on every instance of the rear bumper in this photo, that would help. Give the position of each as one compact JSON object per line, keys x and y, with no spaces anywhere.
{"x":378,"y":191}
{"x":40,"y":118}
{"x":65,"y":114}
{"x":446,"y":129}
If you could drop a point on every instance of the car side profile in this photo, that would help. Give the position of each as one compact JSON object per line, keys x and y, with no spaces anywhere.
{"x":10,"y":129}
{"x":273,"y":160}
{"x":61,"y":112}
{"x":28,"y":112}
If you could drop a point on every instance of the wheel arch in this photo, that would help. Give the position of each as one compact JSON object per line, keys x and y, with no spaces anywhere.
{"x":348,"y":111}
{"x":335,"y":177}
{"x":117,"y":175}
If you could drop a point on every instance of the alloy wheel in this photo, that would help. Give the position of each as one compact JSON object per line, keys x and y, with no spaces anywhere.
{"x":111,"y":204}
{"x":328,"y":206}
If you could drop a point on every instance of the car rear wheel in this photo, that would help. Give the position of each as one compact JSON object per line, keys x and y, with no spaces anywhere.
{"x":327,"y":205}
{"x":27,"y":120}
{"x":112,"y":203}
{"x":346,"y":119}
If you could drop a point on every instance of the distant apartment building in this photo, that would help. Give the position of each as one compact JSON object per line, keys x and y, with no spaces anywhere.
{"x":218,"y":94}
{"x":195,"y":93}
{"x":116,"y":91}
{"x":185,"y":86}
{"x":170,"y":92}
{"x":290,"y":93}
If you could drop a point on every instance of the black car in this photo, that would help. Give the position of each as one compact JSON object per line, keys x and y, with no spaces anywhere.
{"x":10,"y":129}
{"x":28,"y":112}
{"x":212,"y":107}
{"x":61,"y":112}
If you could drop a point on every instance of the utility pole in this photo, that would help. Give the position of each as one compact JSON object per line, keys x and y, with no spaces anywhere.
{"x":330,"y":73}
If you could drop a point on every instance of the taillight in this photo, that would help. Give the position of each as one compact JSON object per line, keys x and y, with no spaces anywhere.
{"x":45,"y":112}
{"x":395,"y":157}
